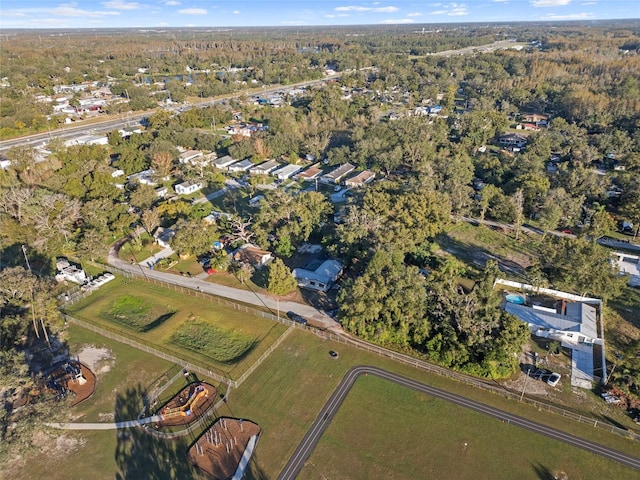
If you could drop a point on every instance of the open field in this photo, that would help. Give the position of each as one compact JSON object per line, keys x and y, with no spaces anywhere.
{"x":475,"y":245}
{"x":192,"y":328}
{"x":92,"y":454}
{"x":286,"y":393}
{"x":283,"y":396}
{"x":383,"y":430}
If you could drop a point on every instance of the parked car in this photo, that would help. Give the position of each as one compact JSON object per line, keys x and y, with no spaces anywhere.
{"x":607,"y":397}
{"x":553,"y":379}
{"x":297,"y":318}
{"x":209,"y":271}
{"x":333,"y":354}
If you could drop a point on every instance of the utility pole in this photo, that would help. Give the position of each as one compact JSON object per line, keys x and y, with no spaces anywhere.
{"x":24,"y":251}
{"x":525,"y":383}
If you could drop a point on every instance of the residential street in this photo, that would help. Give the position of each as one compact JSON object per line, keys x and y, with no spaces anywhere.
{"x":307,"y":311}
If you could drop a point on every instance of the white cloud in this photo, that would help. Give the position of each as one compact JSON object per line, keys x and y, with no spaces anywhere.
{"x":396,"y":22}
{"x":193,"y":11}
{"x":171,"y":3}
{"x":331,"y":15}
{"x":501,"y":1}
{"x":452,"y":10}
{"x":550,"y":3}
{"x":71,"y":11}
{"x":122,"y":5}
{"x":416,"y":14}
{"x":572,"y":16}
{"x":293,"y":22}
{"x":354,"y":8}
{"x":236,"y":12}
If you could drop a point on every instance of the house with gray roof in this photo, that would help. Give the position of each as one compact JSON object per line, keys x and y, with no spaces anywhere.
{"x":322,"y":278}
{"x":575,"y":322}
{"x":335,"y":175}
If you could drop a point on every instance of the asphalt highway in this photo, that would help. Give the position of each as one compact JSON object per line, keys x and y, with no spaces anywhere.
{"x":322,"y":421}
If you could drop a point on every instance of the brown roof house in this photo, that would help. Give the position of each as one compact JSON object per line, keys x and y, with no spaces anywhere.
{"x":360,"y":179}
{"x":252,"y":255}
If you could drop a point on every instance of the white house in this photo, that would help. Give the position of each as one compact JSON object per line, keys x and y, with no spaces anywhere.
{"x":163,"y":235}
{"x":337,"y":174}
{"x":252,"y":255}
{"x":189,"y":156}
{"x":310,"y":173}
{"x":360,"y":179}
{"x":629,"y":264}
{"x":224,"y":162}
{"x":264,"y":168}
{"x":322,"y":278}
{"x":513,"y":140}
{"x":575,"y":321}
{"x":144,"y":177}
{"x":67,"y":271}
{"x":286,"y":172}
{"x":241,"y":166}
{"x":187,"y":188}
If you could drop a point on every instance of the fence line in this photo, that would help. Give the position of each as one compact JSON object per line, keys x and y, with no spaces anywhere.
{"x":153,"y":351}
{"x":407,"y":360}
{"x":399,"y":357}
{"x":263,"y":357}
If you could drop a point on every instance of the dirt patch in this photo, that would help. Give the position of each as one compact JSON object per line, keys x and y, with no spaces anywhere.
{"x":99,"y":360}
{"x":219,"y":450}
{"x":58,"y":444}
{"x":74,"y":377}
{"x":530,"y":385}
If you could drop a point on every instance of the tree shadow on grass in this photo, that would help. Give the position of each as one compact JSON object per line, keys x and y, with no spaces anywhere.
{"x":139,"y":453}
{"x":543,"y":473}
{"x":254,"y":471}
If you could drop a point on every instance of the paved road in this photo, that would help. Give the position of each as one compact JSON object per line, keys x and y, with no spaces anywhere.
{"x":308,"y":443}
{"x":109,"y":124}
{"x":314,"y":315}
{"x":606,"y":241}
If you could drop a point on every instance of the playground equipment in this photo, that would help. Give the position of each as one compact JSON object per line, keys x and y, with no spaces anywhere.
{"x":75,"y":373}
{"x":186,"y":409}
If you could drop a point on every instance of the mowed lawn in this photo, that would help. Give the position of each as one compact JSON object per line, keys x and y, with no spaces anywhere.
{"x":284,"y":396}
{"x":384,"y":430}
{"x":195,"y":329}
{"x":122,"y":378}
{"x":286,"y":393}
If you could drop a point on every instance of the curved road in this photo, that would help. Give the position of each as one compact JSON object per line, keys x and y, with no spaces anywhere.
{"x":308,"y":443}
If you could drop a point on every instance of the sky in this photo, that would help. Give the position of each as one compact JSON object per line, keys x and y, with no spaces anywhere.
{"x":236,"y":13}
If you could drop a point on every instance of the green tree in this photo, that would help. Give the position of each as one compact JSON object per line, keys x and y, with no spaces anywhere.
{"x":193,"y":237}
{"x":387,"y":303}
{"x":280,"y":280}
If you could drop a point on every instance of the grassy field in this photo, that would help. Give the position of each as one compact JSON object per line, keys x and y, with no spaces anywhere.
{"x":193,"y":328}
{"x":286,"y":393}
{"x":384,"y":430}
{"x":94,"y":454}
{"x":475,"y":245}
{"x":284,"y":396}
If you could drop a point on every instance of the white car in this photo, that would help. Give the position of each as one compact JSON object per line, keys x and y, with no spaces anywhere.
{"x":553,"y":379}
